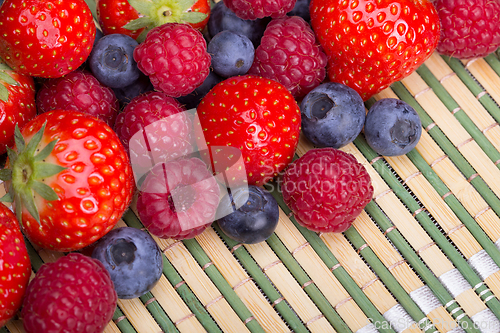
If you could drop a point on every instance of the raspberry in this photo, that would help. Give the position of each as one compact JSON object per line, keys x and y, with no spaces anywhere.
{"x":256,"y":9}
{"x":175,"y":58}
{"x":73,"y":294}
{"x":469,"y":28}
{"x":326,"y":189}
{"x":79,"y":91}
{"x":289,"y":54}
{"x":178,"y":199}
{"x":162,"y":120}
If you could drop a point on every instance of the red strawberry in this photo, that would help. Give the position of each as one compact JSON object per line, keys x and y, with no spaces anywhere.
{"x":288,"y":53}
{"x":16,"y":265}
{"x":326,"y":189}
{"x":256,"y":115}
{"x":175,"y":58}
{"x":371,"y":44}
{"x":114,"y":14}
{"x":156,"y":13}
{"x":46,"y":38}
{"x":469,"y":28}
{"x":17,"y":103}
{"x":79,"y":91}
{"x":73,"y":294}
{"x":70,"y":182}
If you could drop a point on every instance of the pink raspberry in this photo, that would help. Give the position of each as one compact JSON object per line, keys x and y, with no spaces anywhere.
{"x":256,"y":9}
{"x":73,"y":294}
{"x":289,"y":54}
{"x":175,"y":57}
{"x":469,"y":28}
{"x":326,"y":189}
{"x":154,"y":128}
{"x":178,"y":199}
{"x":79,"y":91}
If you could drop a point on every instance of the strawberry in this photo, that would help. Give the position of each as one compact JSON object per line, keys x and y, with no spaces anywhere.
{"x":371,"y":44}
{"x":46,"y":38}
{"x":259,"y":117}
{"x":16,"y":265}
{"x":17,"y":103}
{"x":114,"y":14}
{"x":156,"y":13}
{"x":69,"y":178}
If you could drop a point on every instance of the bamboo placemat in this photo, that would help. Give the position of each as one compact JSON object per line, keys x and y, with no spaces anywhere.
{"x":423,"y":256}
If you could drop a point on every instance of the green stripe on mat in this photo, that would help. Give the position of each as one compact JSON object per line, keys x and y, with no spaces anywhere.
{"x":229,"y":294}
{"x":174,"y":278}
{"x":448,"y":249}
{"x":158,"y":314}
{"x":263,"y":283}
{"x":494,"y":62}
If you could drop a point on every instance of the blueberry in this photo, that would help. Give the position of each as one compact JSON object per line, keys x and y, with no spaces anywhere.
{"x":192,"y":100}
{"x":232,"y":54}
{"x":138,"y":87}
{"x":332,"y":115}
{"x":301,"y":9}
{"x":256,"y":219}
{"x":132,"y":258}
{"x":112,"y":61}
{"x":392,"y":127}
{"x":222,"y":18}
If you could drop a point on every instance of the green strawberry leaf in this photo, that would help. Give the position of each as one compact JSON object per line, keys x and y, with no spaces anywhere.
{"x":35,"y":140}
{"x":6,"y":174}
{"x":45,"y":170}
{"x":6,"y":198}
{"x":45,"y":152}
{"x":4,"y":93}
{"x":8,"y":79}
{"x":142,"y":6}
{"x":139,"y":23}
{"x":19,"y":140}
{"x":45,"y":191}
{"x":28,"y":202}
{"x":194,"y":17}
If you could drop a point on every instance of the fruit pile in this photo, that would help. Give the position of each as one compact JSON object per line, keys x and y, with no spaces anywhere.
{"x":193,"y":108}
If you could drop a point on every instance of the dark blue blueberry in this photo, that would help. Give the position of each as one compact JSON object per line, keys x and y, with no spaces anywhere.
{"x":332,"y":115}
{"x":132,"y":258}
{"x":392,"y":127}
{"x":222,"y":18}
{"x":256,"y":219}
{"x":112,"y":61}
{"x":192,"y":100}
{"x":301,"y":9}
{"x":138,"y":87}
{"x":232,"y":54}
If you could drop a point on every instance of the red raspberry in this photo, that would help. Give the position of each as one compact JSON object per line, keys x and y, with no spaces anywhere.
{"x":178,"y":199}
{"x":73,"y":294}
{"x":162,"y":120}
{"x":175,"y":57}
{"x":79,"y":91}
{"x":289,"y":54}
{"x":256,"y":9}
{"x":469,"y":28}
{"x":326,"y":189}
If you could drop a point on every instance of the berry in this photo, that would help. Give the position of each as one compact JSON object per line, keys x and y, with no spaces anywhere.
{"x":69,"y":179}
{"x":332,"y":115}
{"x":255,"y":9}
{"x":301,"y":9}
{"x":326,"y":189}
{"x":191,"y":101}
{"x":162,"y":121}
{"x":469,"y":28}
{"x":255,"y":218}
{"x":73,"y":294}
{"x":112,"y":61}
{"x":257,"y":116}
{"x":178,"y":199}
{"x":138,"y":87}
{"x":16,"y":265}
{"x":17,"y":103}
{"x":288,"y":53}
{"x":46,"y":38}
{"x":392,"y":127}
{"x":112,"y":15}
{"x":78,"y":91}
{"x":232,"y":54}
{"x":222,"y":18}
{"x":371,"y":44}
{"x":175,"y":58}
{"x":133,"y":260}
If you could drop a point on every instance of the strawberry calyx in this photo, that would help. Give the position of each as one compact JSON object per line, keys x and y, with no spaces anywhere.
{"x":158,"y":12}
{"x":5,"y":77}
{"x":26,"y":173}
